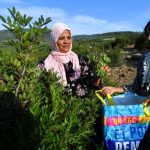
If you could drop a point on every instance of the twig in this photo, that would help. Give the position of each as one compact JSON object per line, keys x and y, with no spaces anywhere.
{"x":23,"y":72}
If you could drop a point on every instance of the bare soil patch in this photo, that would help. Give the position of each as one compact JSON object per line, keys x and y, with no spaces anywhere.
{"x":123,"y":74}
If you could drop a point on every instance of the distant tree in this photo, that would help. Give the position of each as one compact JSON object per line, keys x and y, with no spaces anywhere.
{"x":142,"y":44}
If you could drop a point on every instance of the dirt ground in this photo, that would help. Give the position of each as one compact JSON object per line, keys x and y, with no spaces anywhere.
{"x":123,"y":74}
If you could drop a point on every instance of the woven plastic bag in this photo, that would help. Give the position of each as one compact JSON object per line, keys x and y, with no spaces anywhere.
{"x":124,"y":122}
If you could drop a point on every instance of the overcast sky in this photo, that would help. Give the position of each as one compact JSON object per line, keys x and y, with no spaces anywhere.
{"x":86,"y":16}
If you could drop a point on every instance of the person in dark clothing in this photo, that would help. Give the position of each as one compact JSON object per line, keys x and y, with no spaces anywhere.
{"x":145,"y":144}
{"x":140,"y":86}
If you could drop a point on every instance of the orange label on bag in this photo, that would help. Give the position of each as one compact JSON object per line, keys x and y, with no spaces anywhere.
{"x":144,"y":119}
{"x":114,"y":121}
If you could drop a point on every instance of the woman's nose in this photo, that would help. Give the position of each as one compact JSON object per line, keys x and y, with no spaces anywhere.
{"x":66,"y":40}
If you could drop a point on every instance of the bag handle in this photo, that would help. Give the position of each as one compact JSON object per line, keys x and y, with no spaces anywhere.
{"x":146,"y":111}
{"x":110,"y":100}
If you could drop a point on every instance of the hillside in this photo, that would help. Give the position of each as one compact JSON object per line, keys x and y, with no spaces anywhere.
{"x":108,"y":35}
{"x":5,"y":34}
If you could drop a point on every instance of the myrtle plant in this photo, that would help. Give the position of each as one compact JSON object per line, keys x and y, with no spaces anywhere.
{"x":37,"y":113}
{"x":27,"y":36}
{"x":99,"y":60}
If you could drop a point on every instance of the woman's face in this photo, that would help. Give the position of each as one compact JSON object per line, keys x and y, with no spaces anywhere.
{"x":64,"y":42}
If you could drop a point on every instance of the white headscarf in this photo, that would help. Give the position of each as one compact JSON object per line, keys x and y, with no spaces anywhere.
{"x":56,"y":59}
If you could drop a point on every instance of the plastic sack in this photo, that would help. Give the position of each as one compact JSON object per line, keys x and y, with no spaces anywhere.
{"x":124,"y":121}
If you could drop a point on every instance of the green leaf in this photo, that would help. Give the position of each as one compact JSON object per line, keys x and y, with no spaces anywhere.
{"x":17,"y":15}
{"x":13,"y":10}
{"x":9,"y":21}
{"x":18,"y":64}
{"x":48,"y":20}
{"x":15,"y":61}
{"x":24,"y":16}
{"x":24,"y":95}
{"x":14,"y":23}
{"x":22,"y":87}
{"x":5,"y":75}
{"x":3,"y":19}
{"x":12,"y":77}
{"x":42,"y":19}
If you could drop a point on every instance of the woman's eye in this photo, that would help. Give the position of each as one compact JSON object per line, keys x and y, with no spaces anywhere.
{"x":69,"y":37}
{"x":61,"y":38}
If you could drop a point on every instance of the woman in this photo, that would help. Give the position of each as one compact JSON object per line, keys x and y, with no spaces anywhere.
{"x":73,"y":71}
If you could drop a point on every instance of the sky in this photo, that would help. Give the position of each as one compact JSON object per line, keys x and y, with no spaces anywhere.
{"x":85,"y":16}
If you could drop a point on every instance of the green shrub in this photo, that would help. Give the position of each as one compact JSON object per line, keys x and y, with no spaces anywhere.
{"x":117,"y":56}
{"x":40,"y":116}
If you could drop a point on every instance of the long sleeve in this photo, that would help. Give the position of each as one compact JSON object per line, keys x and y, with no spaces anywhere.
{"x":82,"y":85}
{"x":141,"y":84}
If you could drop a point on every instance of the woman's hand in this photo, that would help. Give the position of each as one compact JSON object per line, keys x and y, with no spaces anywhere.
{"x":111,"y":90}
{"x":147,"y":101}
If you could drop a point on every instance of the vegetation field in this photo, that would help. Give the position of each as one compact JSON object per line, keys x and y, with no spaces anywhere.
{"x":35,"y":114}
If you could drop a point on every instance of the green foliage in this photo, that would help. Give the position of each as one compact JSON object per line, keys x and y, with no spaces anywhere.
{"x":116,"y":56}
{"x":64,"y":122}
{"x":26,"y":43}
{"x":27,"y":35}
{"x":142,"y":43}
{"x":99,"y":60}
{"x":111,"y":44}
{"x":39,"y":114}
{"x":101,"y":53}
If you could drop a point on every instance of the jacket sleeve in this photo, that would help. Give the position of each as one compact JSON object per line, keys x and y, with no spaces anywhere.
{"x":141,"y":83}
